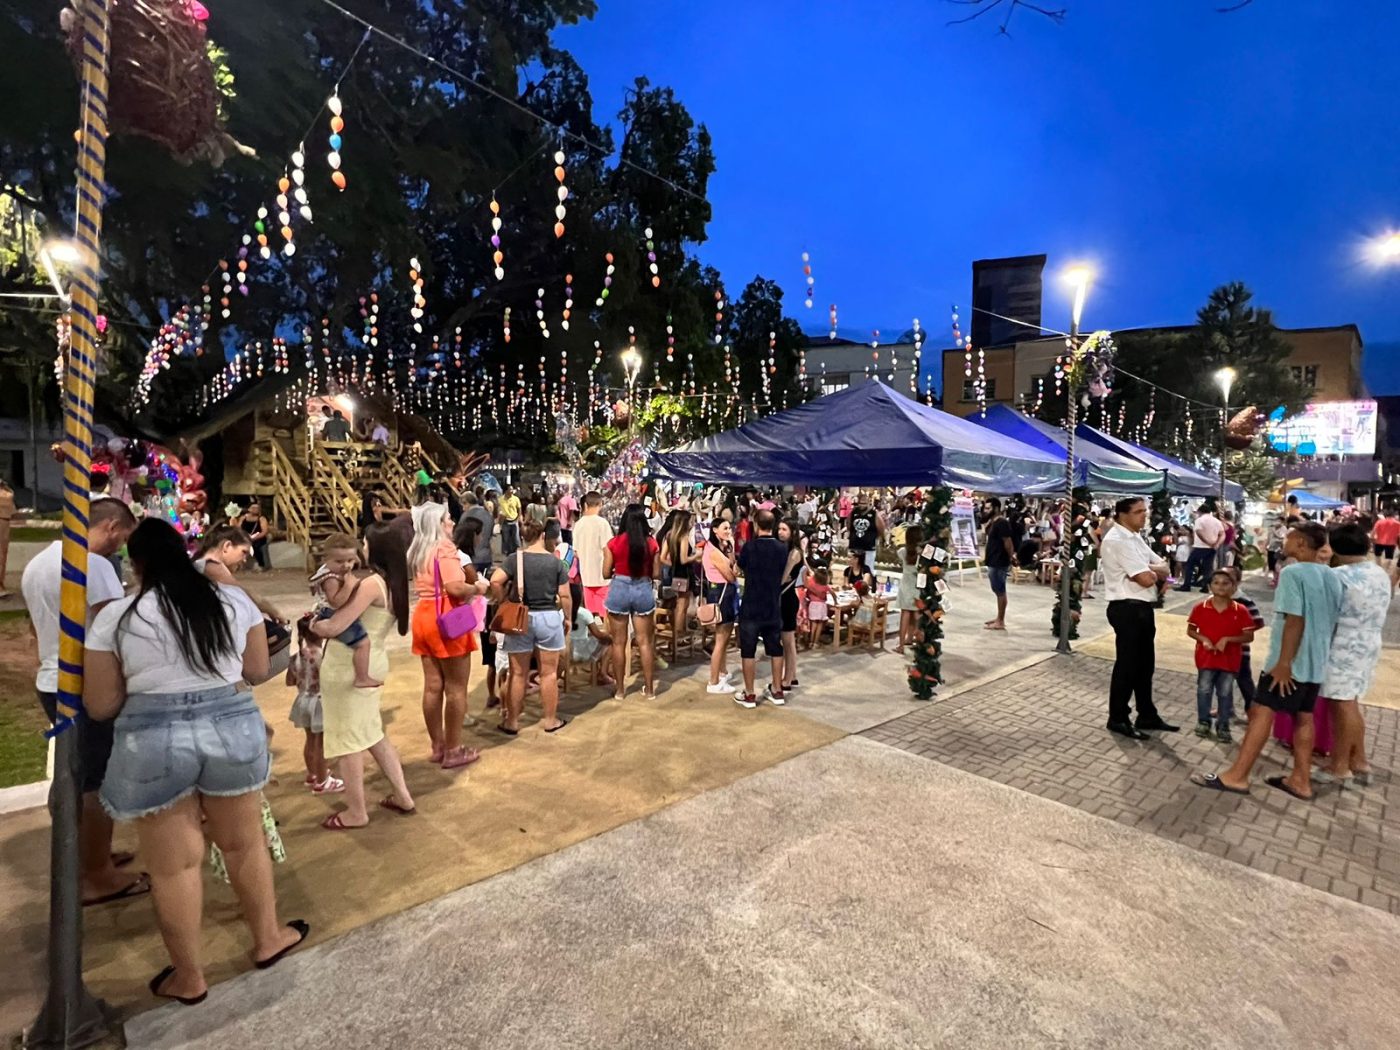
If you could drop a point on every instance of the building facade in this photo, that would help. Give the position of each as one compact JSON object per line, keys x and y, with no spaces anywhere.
{"x":835,"y":364}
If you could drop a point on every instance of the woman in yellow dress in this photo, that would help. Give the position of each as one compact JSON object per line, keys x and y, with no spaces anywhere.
{"x":351,"y":716}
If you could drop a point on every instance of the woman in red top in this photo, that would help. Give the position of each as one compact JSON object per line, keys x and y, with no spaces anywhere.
{"x":630,"y":561}
{"x":446,"y":661}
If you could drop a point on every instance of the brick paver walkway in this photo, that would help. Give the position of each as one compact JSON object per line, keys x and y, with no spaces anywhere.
{"x":1042,"y":730}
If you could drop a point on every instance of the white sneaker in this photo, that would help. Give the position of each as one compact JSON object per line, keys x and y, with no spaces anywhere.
{"x":747,"y":700}
{"x":777,"y":699}
{"x":724,"y":685}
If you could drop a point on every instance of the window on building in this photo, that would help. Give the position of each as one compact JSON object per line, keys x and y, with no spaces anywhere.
{"x":831,"y":384}
{"x":1305,"y":374}
{"x":970,"y":389}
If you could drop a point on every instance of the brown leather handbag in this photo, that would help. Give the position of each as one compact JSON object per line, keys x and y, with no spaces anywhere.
{"x":511,"y":615}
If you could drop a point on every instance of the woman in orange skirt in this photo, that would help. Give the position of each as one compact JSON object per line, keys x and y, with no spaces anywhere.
{"x":446,"y":661}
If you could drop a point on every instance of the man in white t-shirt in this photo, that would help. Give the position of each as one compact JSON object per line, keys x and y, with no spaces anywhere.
{"x":1206,"y":537}
{"x":110,"y":522}
{"x":591,"y":535}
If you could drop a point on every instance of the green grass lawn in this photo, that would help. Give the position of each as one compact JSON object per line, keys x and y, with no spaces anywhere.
{"x":23,"y":749}
{"x":33,"y":534}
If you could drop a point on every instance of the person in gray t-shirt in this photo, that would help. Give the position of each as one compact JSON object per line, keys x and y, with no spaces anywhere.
{"x":482,"y":557}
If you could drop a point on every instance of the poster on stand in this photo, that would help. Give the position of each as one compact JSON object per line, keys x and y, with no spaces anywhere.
{"x":964,"y":522}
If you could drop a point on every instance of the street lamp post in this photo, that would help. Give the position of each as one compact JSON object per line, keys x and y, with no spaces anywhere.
{"x":1079,"y":276}
{"x":631,"y":366}
{"x":1225,"y":379}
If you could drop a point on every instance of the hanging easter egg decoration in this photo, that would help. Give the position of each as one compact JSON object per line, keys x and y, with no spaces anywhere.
{"x":651,"y":259}
{"x":419,"y":302}
{"x":539,"y":313}
{"x":562,"y":192}
{"x":505,"y":325}
{"x":832,"y":314}
{"x":807,"y":272}
{"x":607,"y":279}
{"x":719,"y":317}
{"x":337,"y":126}
{"x":497,"y":256}
{"x":568,"y":300}
{"x":670,"y":339}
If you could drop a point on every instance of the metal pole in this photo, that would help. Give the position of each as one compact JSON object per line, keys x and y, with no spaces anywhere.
{"x":1067,"y":520}
{"x":1224,"y":421}
{"x":71,"y":1016}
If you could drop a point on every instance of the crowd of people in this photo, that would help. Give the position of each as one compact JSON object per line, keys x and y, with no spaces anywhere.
{"x":170,"y":739}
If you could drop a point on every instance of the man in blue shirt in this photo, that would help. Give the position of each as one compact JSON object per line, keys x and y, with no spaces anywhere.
{"x":1306,"y":606}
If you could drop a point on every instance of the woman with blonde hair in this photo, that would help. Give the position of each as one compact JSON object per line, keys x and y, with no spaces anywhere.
{"x":440,"y":582}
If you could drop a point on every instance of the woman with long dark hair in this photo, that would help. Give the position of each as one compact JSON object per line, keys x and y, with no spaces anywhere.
{"x":351,"y":717}
{"x":189,"y":746}
{"x":541,"y":583}
{"x":790,"y":533}
{"x":630,"y":561}
{"x":678,"y":559}
{"x":254,"y":525}
{"x":223,"y":550}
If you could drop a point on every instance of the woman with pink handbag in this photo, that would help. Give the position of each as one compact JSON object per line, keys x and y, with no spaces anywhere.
{"x":443,"y":623}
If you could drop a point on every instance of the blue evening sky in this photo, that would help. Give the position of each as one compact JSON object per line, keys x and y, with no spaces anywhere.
{"x":1175,"y":147}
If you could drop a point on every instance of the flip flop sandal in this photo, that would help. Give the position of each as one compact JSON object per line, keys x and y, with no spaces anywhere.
{"x":334,"y":823}
{"x":561,"y":725}
{"x":507,"y":731}
{"x":302,"y":927}
{"x":1214,"y":783}
{"x":160,"y":978}
{"x":1282,"y":784}
{"x":390,"y":804}
{"x":139,"y":888}
{"x":466,"y":757}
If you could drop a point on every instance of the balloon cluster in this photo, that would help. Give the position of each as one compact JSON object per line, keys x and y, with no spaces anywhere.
{"x":807,"y":271}
{"x":562,"y":192}
{"x":607,"y":280}
{"x":335,"y":141}
{"x":497,"y":256}
{"x":419,"y":302}
{"x":651,"y":260}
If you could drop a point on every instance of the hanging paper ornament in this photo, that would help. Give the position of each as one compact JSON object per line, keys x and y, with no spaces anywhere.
{"x":562,"y":193}
{"x":497,"y":256}
{"x":607,"y":279}
{"x":337,"y":126}
{"x":651,"y":259}
{"x":568,"y":300}
{"x":807,"y":271}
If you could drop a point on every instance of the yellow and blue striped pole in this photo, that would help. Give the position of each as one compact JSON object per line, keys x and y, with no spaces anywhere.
{"x":71,"y":1016}
{"x":80,"y":370}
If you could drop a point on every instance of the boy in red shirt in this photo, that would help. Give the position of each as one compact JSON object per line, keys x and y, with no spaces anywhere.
{"x":1221,"y":627}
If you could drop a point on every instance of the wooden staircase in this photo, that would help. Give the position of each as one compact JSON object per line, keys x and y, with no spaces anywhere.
{"x":315,"y":488}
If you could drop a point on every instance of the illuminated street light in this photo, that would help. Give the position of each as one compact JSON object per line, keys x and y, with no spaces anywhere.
{"x":1078,"y":278}
{"x":1224,"y":379}
{"x":1384,"y":250}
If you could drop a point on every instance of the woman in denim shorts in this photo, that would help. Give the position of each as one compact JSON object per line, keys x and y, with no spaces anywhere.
{"x":188,"y":746}
{"x":541,"y":583}
{"x":721,"y":588}
{"x":630,"y":561}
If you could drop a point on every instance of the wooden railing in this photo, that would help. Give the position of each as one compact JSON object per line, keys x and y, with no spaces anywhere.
{"x":291,"y":500}
{"x":335,"y":490}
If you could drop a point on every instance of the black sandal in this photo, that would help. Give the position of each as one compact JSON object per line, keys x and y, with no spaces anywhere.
{"x":302,"y":927}
{"x":1214,"y":783}
{"x":160,"y":979}
{"x":1282,"y":784}
{"x":508,"y":731}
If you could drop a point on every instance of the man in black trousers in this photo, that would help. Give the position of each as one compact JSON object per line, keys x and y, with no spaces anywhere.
{"x":1131,"y":574}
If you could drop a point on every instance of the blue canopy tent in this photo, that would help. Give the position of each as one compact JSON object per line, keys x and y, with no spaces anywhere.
{"x":1096,"y":468}
{"x":867,"y":434}
{"x":1182,"y":480}
{"x":1312,"y":501}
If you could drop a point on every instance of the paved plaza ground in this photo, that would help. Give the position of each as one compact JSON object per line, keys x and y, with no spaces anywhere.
{"x":988,"y":869}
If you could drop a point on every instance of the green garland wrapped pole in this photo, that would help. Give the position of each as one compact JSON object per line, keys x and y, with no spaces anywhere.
{"x":1081,"y":547}
{"x":926,"y":672}
{"x":1163,"y":534}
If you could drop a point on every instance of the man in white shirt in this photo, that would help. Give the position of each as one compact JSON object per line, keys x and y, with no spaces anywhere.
{"x":1131,"y":573}
{"x":110,"y":522}
{"x":1206,"y":537}
{"x":591,"y":535}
